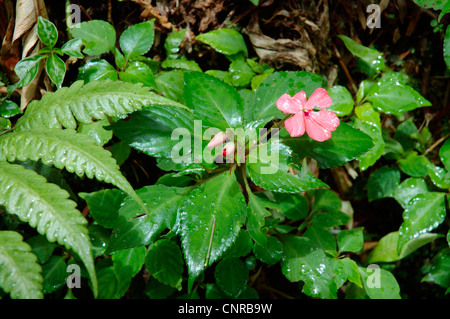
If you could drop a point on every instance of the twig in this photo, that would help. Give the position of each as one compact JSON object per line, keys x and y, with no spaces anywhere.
{"x":439,"y":141}
{"x":347,"y":73}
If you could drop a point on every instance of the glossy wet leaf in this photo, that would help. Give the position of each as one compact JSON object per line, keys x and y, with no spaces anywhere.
{"x":293,"y":206}
{"x":351,"y":271}
{"x":414,"y":165}
{"x":369,"y":158}
{"x":104,"y":205}
{"x":107,"y":283}
{"x":386,"y":249}
{"x":408,"y":189}
{"x":345,"y":144}
{"x":447,"y":47}
{"x":444,"y":154}
{"x":133,"y":228}
{"x":98,"y":69}
{"x":127,"y":263}
{"x":26,"y":69}
{"x":367,"y":114}
{"x":165,"y":262}
{"x":73,"y":48}
{"x":47,"y":32}
{"x":225,"y":41}
{"x":382,"y":183}
{"x":41,"y":247}
{"x":242,"y":247}
{"x":321,"y":237}
{"x":138,"y":72}
{"x":439,"y":272}
{"x":9,"y":109}
{"x":173,"y":42}
{"x":350,"y":240}
{"x":302,"y":261}
{"x":171,"y":84}
{"x":181,"y":63}
{"x":214,"y":102}
{"x":257,"y":212}
{"x":390,"y":96}
{"x":241,"y":73}
{"x":271,"y":254}
{"x":97,"y":131}
{"x":137,"y":39}
{"x":210,"y":217}
{"x":98,"y":36}
{"x":379,"y":283}
{"x":231,"y":276}
{"x":56,"y":69}
{"x":438,"y":176}
{"x":424,"y":213}
{"x":406,"y":134}
{"x":55,"y":273}
{"x":343,"y":102}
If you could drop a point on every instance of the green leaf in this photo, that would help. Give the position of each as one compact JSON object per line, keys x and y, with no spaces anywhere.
{"x":127,"y":263}
{"x":165,"y":262}
{"x":107,"y":283}
{"x":382,"y":183}
{"x":294,"y":207}
{"x":343,"y":102}
{"x":171,"y":84}
{"x":439,"y":272}
{"x":257,"y":212}
{"x":386,"y":249}
{"x":96,"y":131}
{"x":26,"y":70}
{"x":173,"y":42}
{"x":373,"y":59}
{"x":379,"y":283}
{"x":324,"y":200}
{"x":9,"y":109}
{"x":391,"y":96}
{"x":47,"y":208}
{"x":98,"y":36}
{"x":225,"y":41}
{"x":5,"y":124}
{"x":321,"y":238}
{"x":431,"y":4}
{"x":138,"y":72}
{"x":181,"y":64}
{"x":214,"y":102}
{"x":345,"y":144}
{"x":134,"y":228}
{"x":231,"y":276}
{"x":73,"y":48}
{"x":41,"y":247}
{"x":351,"y":271}
{"x":438,"y":176}
{"x":302,"y":261}
{"x":97,"y":69}
{"x":424,"y":213}
{"x":369,"y":158}
{"x":137,"y":39}
{"x":263,"y":107}
{"x":210,"y":217}
{"x":55,"y":274}
{"x":156,"y":290}
{"x":56,"y":69}
{"x":414,"y":165}
{"x":447,"y":47}
{"x":242,"y":246}
{"x":241,"y":73}
{"x":408,"y":189}
{"x":367,"y":114}
{"x":350,"y":240}
{"x":20,"y":274}
{"x":444,"y":154}
{"x":99,"y":239}
{"x":405,"y":134}
{"x":47,"y":32}
{"x":84,"y":103}
{"x":272,"y":253}
{"x":104,"y":205}
{"x":65,"y":149}
{"x":150,"y":130}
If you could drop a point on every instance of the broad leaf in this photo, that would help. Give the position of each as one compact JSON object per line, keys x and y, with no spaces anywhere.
{"x":343,"y":102}
{"x":20,"y":274}
{"x":98,"y":36}
{"x":408,"y":189}
{"x":257,"y":212}
{"x":350,"y":240}
{"x":231,"y":276}
{"x":97,"y":69}
{"x":211,"y":217}
{"x":127,"y":263}
{"x":56,"y":69}
{"x":424,"y":213}
{"x":414,"y":165}
{"x":138,"y":72}
{"x":379,"y":283}
{"x":47,"y":208}
{"x":439,"y":272}
{"x":73,"y":48}
{"x":225,"y":41}
{"x":272,"y":253}
{"x":55,"y":274}
{"x":47,"y":32}
{"x":137,"y":39}
{"x":382,"y":183}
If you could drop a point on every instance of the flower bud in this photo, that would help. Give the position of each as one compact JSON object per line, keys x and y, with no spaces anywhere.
{"x":217,"y":140}
{"x":228,"y":150}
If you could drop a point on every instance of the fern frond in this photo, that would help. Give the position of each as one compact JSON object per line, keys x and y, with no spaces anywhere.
{"x":75,"y":152}
{"x":82,"y":103}
{"x":47,"y":208}
{"x":20,"y":274}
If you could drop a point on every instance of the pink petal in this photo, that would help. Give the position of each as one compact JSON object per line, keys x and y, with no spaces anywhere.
{"x":319,"y":98}
{"x":217,"y":140}
{"x":301,"y":98}
{"x":288,"y":104}
{"x":295,"y":125}
{"x":327,"y":119}
{"x":315,"y":131}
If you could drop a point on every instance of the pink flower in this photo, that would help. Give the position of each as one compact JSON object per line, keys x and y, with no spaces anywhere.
{"x":318,"y":125}
{"x":217,"y":140}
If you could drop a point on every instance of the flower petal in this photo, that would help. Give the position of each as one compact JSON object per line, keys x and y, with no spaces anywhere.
{"x":315,"y":131}
{"x":327,"y":119}
{"x":301,"y":98}
{"x":288,"y":104}
{"x":319,"y":98}
{"x":295,"y":125}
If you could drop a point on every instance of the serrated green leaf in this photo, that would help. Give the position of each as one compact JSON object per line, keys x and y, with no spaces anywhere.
{"x":20,"y":274}
{"x":293,"y":206}
{"x":303,"y":261}
{"x":386,"y":249}
{"x":47,"y":208}
{"x":97,"y":69}
{"x":137,"y":39}
{"x":345,"y":144}
{"x":405,"y":134}
{"x":83,"y":103}
{"x":210,"y":217}
{"x":444,"y":154}
{"x":127,"y":263}
{"x":350,"y":240}
{"x":241,"y":73}
{"x":231,"y":276}
{"x":408,"y":189}
{"x":257,"y":212}
{"x":214,"y":102}
{"x":424,"y":213}
{"x":47,"y":32}
{"x":414,"y":165}
{"x":225,"y":41}
{"x":138,"y":72}
{"x":107,"y":282}
{"x":242,"y":246}
{"x":321,"y":238}
{"x":171,"y":84}
{"x":96,"y":131}
{"x":351,"y":271}
{"x":165,"y":262}
{"x":382,"y":183}
{"x":9,"y":109}
{"x":272,"y":253}
{"x":98,"y":36}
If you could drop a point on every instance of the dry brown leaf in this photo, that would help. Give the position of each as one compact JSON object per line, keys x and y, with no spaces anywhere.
{"x":151,"y":12}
